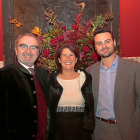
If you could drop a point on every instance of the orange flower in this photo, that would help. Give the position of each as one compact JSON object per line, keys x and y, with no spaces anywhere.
{"x":36,"y":31}
{"x":18,"y":24}
{"x":14,"y":21}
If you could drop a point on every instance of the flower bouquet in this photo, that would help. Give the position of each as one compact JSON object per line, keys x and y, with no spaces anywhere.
{"x":80,"y":34}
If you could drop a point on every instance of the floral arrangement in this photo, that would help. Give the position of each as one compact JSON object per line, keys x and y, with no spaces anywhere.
{"x":80,"y":34}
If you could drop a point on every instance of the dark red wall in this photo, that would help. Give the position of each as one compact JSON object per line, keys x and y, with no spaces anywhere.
{"x":130,"y":27}
{"x":1,"y":33}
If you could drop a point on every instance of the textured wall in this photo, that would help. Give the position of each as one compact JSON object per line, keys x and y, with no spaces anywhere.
{"x":32,"y":13}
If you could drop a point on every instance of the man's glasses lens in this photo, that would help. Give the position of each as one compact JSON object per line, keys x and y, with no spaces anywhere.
{"x":32,"y":47}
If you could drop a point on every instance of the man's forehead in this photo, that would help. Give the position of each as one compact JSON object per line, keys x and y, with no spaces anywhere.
{"x":28,"y":39}
{"x":102,"y":36}
{"x":27,"y":36}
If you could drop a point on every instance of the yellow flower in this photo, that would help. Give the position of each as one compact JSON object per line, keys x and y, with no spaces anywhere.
{"x":36,"y":31}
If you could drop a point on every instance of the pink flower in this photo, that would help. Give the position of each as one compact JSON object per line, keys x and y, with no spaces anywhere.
{"x":41,"y":38}
{"x":54,"y":41}
{"x":75,"y":27}
{"x":63,"y":28}
{"x":67,"y":34}
{"x":94,"y":56}
{"x":86,"y":49}
{"x":46,"y":53}
{"x":83,"y":55}
{"x":60,"y":38}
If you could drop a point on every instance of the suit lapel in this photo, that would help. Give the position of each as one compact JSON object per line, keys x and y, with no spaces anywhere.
{"x":22,"y":68}
{"x":96,"y":82}
{"x":119,"y":75}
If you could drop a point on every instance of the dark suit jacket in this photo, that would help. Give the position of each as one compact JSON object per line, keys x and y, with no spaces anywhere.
{"x":17,"y":101}
{"x":126,"y":96}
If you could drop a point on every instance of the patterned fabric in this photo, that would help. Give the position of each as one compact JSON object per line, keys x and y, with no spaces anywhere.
{"x":31,"y":70}
{"x":42,"y":113}
{"x":70,"y":109}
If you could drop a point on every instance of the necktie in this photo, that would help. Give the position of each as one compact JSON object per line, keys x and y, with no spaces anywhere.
{"x":31,"y":70}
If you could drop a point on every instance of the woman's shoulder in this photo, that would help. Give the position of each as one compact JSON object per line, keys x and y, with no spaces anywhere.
{"x":85,"y":75}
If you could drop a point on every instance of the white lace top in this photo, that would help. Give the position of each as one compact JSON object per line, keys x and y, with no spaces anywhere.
{"x":72,"y":95}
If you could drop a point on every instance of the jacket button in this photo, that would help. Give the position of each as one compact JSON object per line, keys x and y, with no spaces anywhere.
{"x":35,"y":106}
{"x":33,"y":136}
{"x":34,"y":92}
{"x":31,"y":79}
{"x":35,"y":121}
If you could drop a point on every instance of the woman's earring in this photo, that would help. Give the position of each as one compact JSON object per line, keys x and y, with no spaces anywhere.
{"x":76,"y":60}
{"x":59,"y":60}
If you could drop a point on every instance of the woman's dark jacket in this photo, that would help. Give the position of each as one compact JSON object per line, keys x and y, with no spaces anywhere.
{"x":56,"y":92}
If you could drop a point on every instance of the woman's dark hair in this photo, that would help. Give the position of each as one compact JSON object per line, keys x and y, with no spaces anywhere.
{"x":73,"y":48}
{"x":102,"y":30}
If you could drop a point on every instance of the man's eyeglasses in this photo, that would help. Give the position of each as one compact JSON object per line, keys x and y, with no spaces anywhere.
{"x":25,"y":47}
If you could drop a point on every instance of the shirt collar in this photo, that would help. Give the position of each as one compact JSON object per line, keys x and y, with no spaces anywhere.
{"x":26,"y":67}
{"x":115,"y":62}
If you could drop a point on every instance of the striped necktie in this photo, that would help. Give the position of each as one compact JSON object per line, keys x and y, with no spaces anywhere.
{"x":31,"y":70}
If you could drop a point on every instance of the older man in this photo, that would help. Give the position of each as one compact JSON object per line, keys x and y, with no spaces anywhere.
{"x":116,"y":88}
{"x":24,"y":91}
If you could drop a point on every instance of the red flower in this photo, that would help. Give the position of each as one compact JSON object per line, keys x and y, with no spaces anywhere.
{"x":50,"y":57}
{"x":56,"y":34}
{"x":91,"y":43}
{"x":86,"y":49}
{"x":54,"y":41}
{"x":94,"y":56}
{"x":46,"y":53}
{"x":75,"y":27}
{"x":63,"y":28}
{"x":78,"y":17}
{"x":68,"y":41}
{"x":60,"y":38}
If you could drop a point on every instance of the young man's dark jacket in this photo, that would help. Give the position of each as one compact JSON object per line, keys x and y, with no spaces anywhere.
{"x":55,"y":94}
{"x":18,"y":102}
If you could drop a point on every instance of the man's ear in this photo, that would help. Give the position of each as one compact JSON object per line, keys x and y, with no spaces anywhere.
{"x":114,"y":43}
{"x":38,"y":53}
{"x":16,"y":50}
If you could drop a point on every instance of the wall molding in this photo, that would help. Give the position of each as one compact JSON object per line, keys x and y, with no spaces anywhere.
{"x":1,"y":64}
{"x":133,"y":58}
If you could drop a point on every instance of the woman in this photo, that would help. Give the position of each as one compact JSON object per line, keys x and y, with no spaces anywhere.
{"x":72,"y":103}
